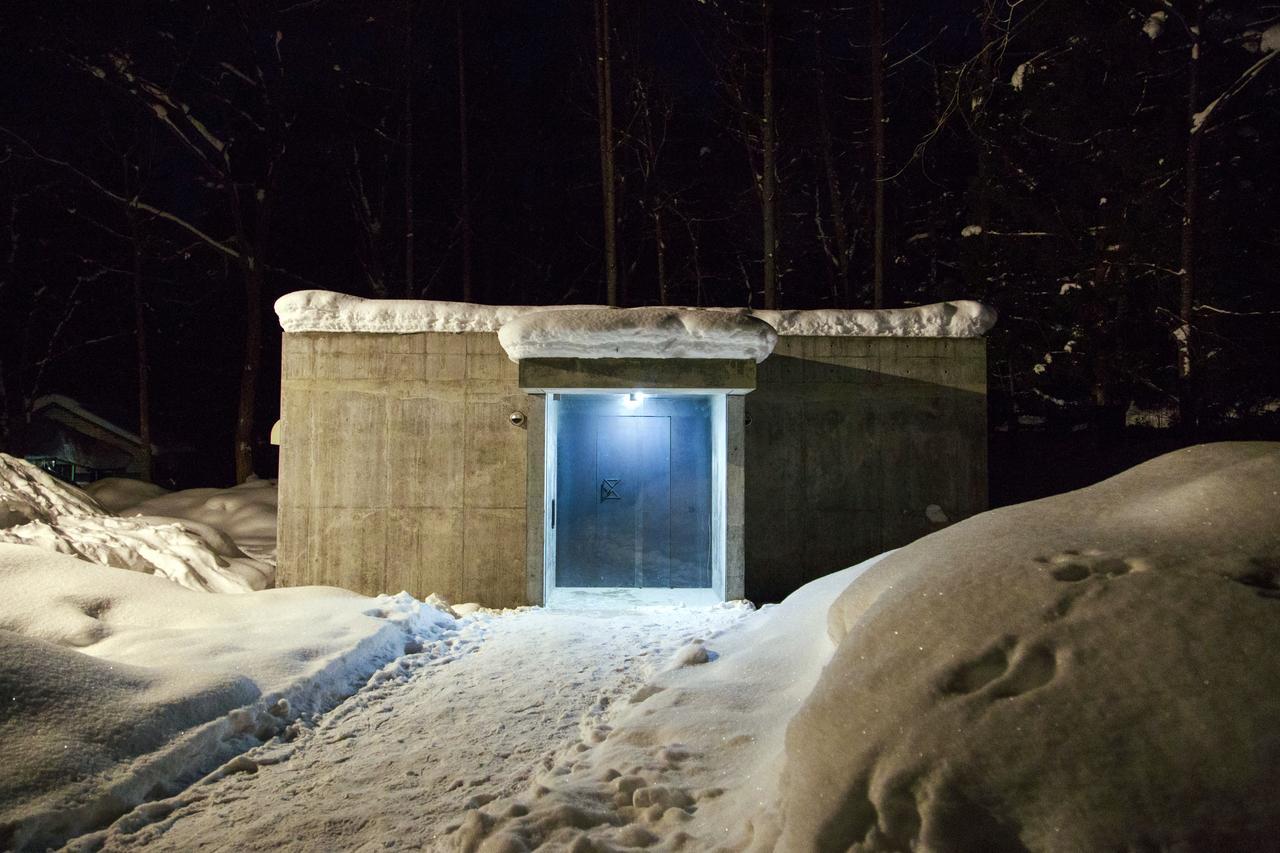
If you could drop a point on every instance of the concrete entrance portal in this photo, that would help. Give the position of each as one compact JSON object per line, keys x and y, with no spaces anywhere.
{"x":632,"y":490}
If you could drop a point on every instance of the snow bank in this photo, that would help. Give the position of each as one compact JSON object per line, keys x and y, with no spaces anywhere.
{"x":38,"y":509}
{"x":116,"y":493}
{"x":190,"y":554}
{"x":1092,"y":671}
{"x":637,"y":333}
{"x":246,"y":513}
{"x":28,"y":493}
{"x":119,"y":687}
{"x":323,"y":311}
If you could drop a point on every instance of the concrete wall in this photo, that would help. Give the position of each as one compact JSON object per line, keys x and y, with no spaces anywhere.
{"x":848,"y":441}
{"x":400,"y":468}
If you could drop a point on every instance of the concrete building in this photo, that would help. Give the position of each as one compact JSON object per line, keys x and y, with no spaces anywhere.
{"x":525,"y":456}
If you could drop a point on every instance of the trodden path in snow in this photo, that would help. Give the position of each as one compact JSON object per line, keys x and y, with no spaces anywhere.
{"x":433,"y":735}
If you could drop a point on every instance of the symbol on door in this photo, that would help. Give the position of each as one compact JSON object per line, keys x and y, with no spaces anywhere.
{"x":609,"y":490}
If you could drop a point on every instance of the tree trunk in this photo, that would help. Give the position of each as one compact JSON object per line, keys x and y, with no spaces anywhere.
{"x":604,"y":106}
{"x":140,"y":348}
{"x":468,"y":293}
{"x":1188,"y":404}
{"x":877,"y":150}
{"x":839,"y":228}
{"x":660,"y":247}
{"x":768,"y":188}
{"x":252,"y":365}
{"x":408,"y":150}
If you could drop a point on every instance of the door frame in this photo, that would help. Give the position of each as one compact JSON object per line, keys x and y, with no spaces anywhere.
{"x":726,"y":469}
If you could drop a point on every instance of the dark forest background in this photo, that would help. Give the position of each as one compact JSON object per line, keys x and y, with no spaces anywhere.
{"x":1103,"y":173}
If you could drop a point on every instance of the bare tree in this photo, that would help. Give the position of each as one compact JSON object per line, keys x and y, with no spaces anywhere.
{"x":769,"y":168}
{"x":244,"y":193}
{"x":407,"y":147}
{"x":464,"y":161}
{"x":877,"y":150}
{"x":838,"y":255}
{"x":604,"y":108}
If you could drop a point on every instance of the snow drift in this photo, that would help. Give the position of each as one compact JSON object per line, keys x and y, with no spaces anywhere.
{"x":637,"y":333}
{"x":29,"y":494}
{"x":246,"y":513}
{"x":1092,"y":671}
{"x":119,"y":687}
{"x":118,"y":493}
{"x":38,"y":509}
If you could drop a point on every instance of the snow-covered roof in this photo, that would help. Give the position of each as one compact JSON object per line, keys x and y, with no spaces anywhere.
{"x":326,"y":311}
{"x":637,"y":333}
{"x":74,"y":407}
{"x":594,"y":331}
{"x":963,"y":318}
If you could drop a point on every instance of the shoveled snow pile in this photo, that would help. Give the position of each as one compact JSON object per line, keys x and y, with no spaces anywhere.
{"x":119,"y":687}
{"x":637,"y":333}
{"x":1093,"y":671}
{"x":324,"y":311}
{"x":28,"y":493}
{"x":41,"y":510}
{"x":117,"y":493}
{"x":246,"y":513}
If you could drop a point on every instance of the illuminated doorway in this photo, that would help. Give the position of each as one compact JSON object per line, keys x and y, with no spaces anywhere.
{"x":635,"y":493}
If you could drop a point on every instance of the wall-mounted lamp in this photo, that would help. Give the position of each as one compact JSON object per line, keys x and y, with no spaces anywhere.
{"x":633,"y":399}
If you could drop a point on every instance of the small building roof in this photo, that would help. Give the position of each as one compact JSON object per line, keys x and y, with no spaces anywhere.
{"x":61,"y":428}
{"x":594,"y":331}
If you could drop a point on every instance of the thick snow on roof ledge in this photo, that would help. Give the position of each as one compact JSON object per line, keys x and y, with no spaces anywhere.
{"x":326,"y":311}
{"x":638,"y":333}
{"x":592,"y":331}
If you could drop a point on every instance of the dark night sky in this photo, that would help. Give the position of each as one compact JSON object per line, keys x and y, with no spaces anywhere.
{"x":1102,"y":115}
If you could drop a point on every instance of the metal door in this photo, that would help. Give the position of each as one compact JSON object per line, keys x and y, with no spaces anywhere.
{"x":613,"y":525}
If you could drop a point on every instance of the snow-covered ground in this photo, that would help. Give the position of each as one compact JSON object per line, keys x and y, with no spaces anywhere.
{"x":119,"y":686}
{"x":246,"y":513}
{"x":1090,"y":671}
{"x":433,"y":737}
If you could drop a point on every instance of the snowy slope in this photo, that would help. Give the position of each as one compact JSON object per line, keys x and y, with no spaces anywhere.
{"x":119,"y":686}
{"x":28,"y":493}
{"x":246,"y":513}
{"x":38,"y":509}
{"x":117,"y":493}
{"x":1093,"y":671}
